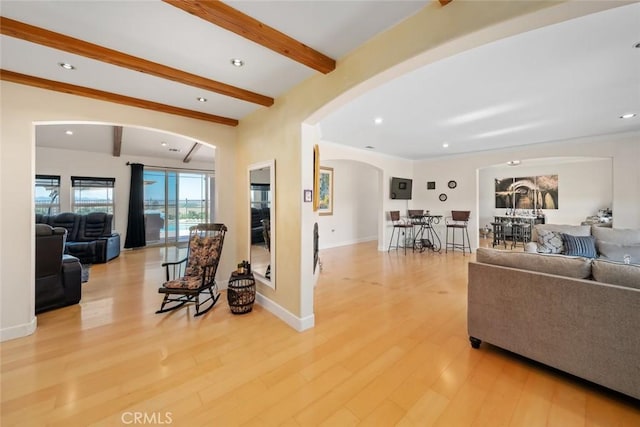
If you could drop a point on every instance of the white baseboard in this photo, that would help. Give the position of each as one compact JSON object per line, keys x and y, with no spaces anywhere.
{"x":298,"y":323}
{"x":18,"y":331}
{"x":348,"y":242}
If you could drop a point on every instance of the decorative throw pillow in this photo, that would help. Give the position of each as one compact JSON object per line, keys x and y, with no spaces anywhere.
{"x":550,"y":242}
{"x":584,"y":246}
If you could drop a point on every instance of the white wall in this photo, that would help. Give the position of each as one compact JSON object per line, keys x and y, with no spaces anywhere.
{"x":66,"y":163}
{"x":356,"y":199}
{"x":611,"y":178}
{"x":387,"y":167}
{"x":623,"y":149}
{"x":584,"y":186}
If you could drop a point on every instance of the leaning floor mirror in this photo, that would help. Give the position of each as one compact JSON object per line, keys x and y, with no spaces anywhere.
{"x":262,"y":233}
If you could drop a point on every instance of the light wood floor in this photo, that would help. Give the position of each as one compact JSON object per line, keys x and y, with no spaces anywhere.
{"x":390,"y":348}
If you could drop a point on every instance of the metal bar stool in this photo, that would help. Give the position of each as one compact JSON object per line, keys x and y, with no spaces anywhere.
{"x":498,"y":234}
{"x":521,"y":233}
{"x":403,"y":229}
{"x":458,"y":221}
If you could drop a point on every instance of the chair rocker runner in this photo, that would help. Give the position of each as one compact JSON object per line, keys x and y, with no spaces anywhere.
{"x":195,"y":274}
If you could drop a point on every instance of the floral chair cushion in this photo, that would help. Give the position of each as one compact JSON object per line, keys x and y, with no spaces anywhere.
{"x":184,"y":283}
{"x":203,"y":251}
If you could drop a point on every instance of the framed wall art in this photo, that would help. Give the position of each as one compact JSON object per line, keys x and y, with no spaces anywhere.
{"x":325,"y":191}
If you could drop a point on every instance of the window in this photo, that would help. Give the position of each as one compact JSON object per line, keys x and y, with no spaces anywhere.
{"x":92,"y":194}
{"x":260,"y":196}
{"x":173,"y":202}
{"x":47,"y":194}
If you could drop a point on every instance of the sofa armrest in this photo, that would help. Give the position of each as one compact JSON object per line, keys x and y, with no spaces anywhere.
{"x":71,"y":279}
{"x":113,"y":246}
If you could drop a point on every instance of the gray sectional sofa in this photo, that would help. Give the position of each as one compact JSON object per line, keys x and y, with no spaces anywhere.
{"x":580,"y":315}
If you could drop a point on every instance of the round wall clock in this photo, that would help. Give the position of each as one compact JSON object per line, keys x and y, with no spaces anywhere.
{"x":442,"y":197}
{"x":452,"y":184}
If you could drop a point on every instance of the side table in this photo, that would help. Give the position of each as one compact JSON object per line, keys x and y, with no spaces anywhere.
{"x":241,"y":292}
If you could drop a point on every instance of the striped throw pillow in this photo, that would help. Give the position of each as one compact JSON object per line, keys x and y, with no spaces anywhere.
{"x":584,"y":246}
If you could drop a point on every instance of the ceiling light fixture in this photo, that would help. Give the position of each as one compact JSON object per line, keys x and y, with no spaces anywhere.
{"x":201,"y":99}
{"x":66,"y":66}
{"x":378,"y":120}
{"x":445,"y":145}
{"x":69,"y":132}
{"x":164,"y":144}
{"x":513,"y":162}
{"x":628,"y":115}
{"x":236,"y":62}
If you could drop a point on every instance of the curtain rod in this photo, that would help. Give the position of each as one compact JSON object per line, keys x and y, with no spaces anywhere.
{"x":177,"y":168}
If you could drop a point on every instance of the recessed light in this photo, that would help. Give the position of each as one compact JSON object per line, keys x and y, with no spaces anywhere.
{"x":201,"y":99}
{"x":513,"y":162}
{"x":69,"y":132}
{"x":66,"y":66}
{"x":164,"y":144}
{"x":236,"y":62}
{"x":369,"y":147}
{"x":628,"y":115}
{"x":445,"y":145}
{"x":377,"y":120}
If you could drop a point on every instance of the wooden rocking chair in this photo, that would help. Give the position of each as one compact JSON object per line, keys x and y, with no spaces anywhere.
{"x":188,"y":278}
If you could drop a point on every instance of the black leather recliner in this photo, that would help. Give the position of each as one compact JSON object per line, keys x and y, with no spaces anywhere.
{"x":58,"y":276}
{"x":89,"y":237}
{"x":257,"y":215}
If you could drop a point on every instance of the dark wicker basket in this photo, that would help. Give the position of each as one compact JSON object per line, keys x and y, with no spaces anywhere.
{"x":241,"y":293}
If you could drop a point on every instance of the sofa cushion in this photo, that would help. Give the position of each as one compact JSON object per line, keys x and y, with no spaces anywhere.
{"x":616,"y":235}
{"x":616,"y":273}
{"x":579,"y":245}
{"x":550,"y":242}
{"x":574,"y":230}
{"x":561,"y":265}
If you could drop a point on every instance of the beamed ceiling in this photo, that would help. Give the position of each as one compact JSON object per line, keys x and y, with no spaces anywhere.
{"x":564,"y":81}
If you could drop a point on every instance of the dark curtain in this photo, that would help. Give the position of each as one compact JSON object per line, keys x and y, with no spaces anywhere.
{"x":135,"y":226}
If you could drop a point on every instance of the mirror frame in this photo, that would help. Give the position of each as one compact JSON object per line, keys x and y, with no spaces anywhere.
{"x":272,"y":216}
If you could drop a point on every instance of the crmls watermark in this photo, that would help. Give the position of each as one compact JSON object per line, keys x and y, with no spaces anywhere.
{"x":153,"y":418}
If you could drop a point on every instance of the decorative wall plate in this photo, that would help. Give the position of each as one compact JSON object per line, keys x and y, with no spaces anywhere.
{"x":442,"y":197}
{"x":452,"y":184}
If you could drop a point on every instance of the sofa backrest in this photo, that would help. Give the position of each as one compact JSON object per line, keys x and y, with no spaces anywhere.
{"x":574,"y":230}
{"x":69,"y":221}
{"x":94,"y":225}
{"x":49,"y":249}
{"x":80,"y":227}
{"x":561,"y":265}
{"x":616,"y":244}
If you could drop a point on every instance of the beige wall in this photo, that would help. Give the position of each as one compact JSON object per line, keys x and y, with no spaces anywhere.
{"x":22,"y":106}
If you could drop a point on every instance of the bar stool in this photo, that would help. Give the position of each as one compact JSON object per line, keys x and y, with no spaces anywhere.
{"x":403,"y":229}
{"x":498,"y":234}
{"x":415,"y":217}
{"x":458,"y":221}
{"x":521,"y":233}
